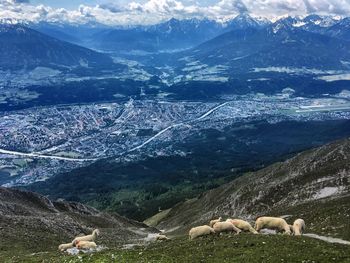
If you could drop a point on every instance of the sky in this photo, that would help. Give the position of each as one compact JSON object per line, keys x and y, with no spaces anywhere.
{"x":135,"y":12}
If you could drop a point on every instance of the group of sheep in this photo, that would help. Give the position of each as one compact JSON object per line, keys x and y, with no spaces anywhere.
{"x":237,"y":225}
{"x":81,"y":242}
{"x":215,"y":226}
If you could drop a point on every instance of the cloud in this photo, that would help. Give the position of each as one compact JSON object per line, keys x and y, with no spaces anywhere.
{"x":111,"y":7}
{"x":20,"y":1}
{"x":154,"y":11}
{"x":233,"y":5}
{"x":309,"y":7}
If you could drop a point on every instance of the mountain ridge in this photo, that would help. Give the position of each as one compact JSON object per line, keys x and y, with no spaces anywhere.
{"x":22,"y":47}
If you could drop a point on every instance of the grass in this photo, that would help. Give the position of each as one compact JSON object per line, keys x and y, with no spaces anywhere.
{"x":242,"y":248}
{"x":325,"y":217}
{"x":154,"y":220}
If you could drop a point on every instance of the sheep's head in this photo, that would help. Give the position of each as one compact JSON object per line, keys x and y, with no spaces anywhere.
{"x":96,"y":232}
{"x":75,"y":243}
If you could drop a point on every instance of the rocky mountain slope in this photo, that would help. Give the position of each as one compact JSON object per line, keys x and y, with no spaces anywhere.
{"x":25,"y":48}
{"x":278,"y":45}
{"x":170,"y":35}
{"x":314,"y":185}
{"x":31,"y":222}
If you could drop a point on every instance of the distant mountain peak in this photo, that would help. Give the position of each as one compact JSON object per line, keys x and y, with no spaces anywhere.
{"x":243,"y":21}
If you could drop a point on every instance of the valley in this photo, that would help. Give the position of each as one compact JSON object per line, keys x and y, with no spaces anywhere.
{"x":38,"y":143}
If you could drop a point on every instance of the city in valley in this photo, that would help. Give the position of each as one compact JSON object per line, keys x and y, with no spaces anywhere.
{"x":38,"y":143}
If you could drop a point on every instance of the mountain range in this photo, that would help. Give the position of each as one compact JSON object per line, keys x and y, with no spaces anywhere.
{"x":212,"y":50}
{"x":277,"y":45}
{"x":170,"y":35}
{"x":177,"y":34}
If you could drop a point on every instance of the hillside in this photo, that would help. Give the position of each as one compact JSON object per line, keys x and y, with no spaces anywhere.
{"x":25,"y":48}
{"x":314,"y":185}
{"x":216,"y":249}
{"x":278,"y":45}
{"x":31,"y":223}
{"x":137,"y":189}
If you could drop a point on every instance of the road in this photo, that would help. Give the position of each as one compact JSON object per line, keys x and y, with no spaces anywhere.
{"x":37,"y":155}
{"x":45,"y":156}
{"x":177,"y":125}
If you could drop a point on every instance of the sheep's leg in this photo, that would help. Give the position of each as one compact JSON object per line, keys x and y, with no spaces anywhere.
{"x":257,"y":227}
{"x":237,"y":230}
{"x":252,"y":230}
{"x":286,"y":231}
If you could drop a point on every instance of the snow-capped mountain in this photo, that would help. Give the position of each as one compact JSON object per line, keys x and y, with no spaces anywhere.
{"x":281,"y":44}
{"x":171,"y":35}
{"x":177,"y":34}
{"x":244,"y":21}
{"x":341,"y":29}
{"x":313,"y":23}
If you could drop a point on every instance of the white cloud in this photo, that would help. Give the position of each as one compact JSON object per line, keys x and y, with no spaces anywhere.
{"x":153,"y":11}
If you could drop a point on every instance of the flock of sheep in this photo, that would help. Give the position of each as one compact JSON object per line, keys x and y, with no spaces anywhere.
{"x":238,"y":225}
{"x":81,"y":242}
{"x":215,"y":226}
{"x":88,"y":241}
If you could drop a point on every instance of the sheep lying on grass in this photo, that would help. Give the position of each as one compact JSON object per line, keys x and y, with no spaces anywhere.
{"x":64,"y":247}
{"x":91,"y":237}
{"x":273,"y":223}
{"x":298,"y":227}
{"x":81,"y":242}
{"x":200,"y":231}
{"x":214,"y":221}
{"x":242,"y":225}
{"x":85,"y":244}
{"x":221,"y":227}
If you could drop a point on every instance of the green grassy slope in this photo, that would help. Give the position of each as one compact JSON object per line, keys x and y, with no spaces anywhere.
{"x":242,"y":248}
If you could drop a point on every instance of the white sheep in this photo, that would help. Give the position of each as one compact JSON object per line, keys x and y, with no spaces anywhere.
{"x":220,"y":227}
{"x":85,"y":244}
{"x":212,"y":222}
{"x":242,"y":225}
{"x":200,"y":231}
{"x":274,"y":223}
{"x":64,"y":247}
{"x":91,"y":237}
{"x":162,"y":237}
{"x":298,"y":227}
